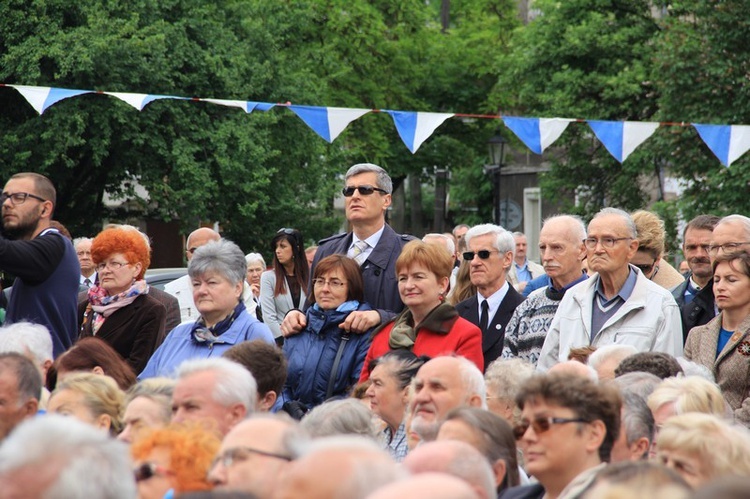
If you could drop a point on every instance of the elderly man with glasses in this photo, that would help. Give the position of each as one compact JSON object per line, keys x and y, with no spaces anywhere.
{"x":42,"y":259}
{"x":619,"y":305}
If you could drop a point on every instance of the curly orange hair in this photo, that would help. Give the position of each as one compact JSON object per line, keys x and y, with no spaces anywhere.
{"x":192,"y":450}
{"x":128,"y":242}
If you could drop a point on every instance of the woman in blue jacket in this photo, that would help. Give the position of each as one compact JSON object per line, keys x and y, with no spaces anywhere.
{"x":324,"y":359}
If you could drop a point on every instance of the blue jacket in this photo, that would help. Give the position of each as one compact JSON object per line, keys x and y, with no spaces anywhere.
{"x":311,"y":354}
{"x":179,"y":344}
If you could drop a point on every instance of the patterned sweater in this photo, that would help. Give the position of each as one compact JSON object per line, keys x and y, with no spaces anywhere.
{"x":527,"y":329}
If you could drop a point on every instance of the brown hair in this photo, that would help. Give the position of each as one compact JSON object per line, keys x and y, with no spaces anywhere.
{"x":42,"y":184}
{"x":265,"y":361}
{"x":587,"y":399}
{"x":464,"y":288}
{"x":352,"y":273}
{"x":117,"y":240}
{"x":301,"y":268}
{"x":431,"y":256}
{"x":701,"y":222}
{"x":581,"y":354}
{"x":191,"y":449}
{"x":742,"y":256}
{"x":89,"y":353}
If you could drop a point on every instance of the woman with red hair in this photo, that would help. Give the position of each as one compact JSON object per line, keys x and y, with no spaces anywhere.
{"x":119,"y":309}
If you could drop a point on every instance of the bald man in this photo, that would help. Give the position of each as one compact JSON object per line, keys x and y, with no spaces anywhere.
{"x":426,"y":486}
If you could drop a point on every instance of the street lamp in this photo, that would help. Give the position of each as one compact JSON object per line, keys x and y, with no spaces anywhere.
{"x":496,"y":148}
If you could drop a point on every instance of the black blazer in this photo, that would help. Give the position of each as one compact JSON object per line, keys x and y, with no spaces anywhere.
{"x":134,"y":331}
{"x":492,"y":340}
{"x":698,"y":312}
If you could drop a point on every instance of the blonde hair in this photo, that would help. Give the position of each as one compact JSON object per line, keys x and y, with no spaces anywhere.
{"x":101,"y":395}
{"x":723,"y":448}
{"x":690,"y":394}
{"x":651,"y":233}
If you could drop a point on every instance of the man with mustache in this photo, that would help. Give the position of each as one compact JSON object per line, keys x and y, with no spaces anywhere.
{"x":695,"y":296}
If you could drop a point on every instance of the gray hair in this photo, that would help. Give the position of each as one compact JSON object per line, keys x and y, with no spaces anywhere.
{"x":448,"y":241}
{"x":607,"y":352}
{"x":79,"y":240}
{"x":637,"y":419}
{"x":251,"y":258}
{"x":158,"y":390}
{"x":518,"y":234}
{"x":339,"y":417}
{"x":234,"y":383}
{"x":639,"y":383}
{"x":473,"y":380}
{"x":504,"y":378}
{"x":383,"y":179}
{"x":626,"y":218}
{"x":28,"y":377}
{"x":739,"y":219}
{"x":503,"y":243}
{"x":25,"y":337}
{"x":223,"y":257}
{"x":575,"y":223}
{"x":90,"y":463}
{"x":690,"y":368}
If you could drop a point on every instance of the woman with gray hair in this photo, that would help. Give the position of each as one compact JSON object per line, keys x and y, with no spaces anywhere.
{"x":217,"y":272}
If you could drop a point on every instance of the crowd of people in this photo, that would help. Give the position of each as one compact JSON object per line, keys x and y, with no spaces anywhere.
{"x":375,"y":364}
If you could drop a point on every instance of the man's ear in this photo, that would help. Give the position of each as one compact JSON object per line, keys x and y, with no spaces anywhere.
{"x":597,"y":432}
{"x":639,"y":448}
{"x":499,"y":468}
{"x":474,"y":401}
{"x":104,"y":421}
{"x":31,"y":407}
{"x":267,"y":401}
{"x":98,"y":370}
{"x":236,"y":413}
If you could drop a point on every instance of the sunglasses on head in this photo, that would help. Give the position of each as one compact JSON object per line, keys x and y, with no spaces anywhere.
{"x":149,"y":470}
{"x":482,"y":254}
{"x":541,"y":424}
{"x":365,"y":190}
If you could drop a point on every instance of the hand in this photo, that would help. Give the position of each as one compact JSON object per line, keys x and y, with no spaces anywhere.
{"x":361,"y":322}
{"x":255,"y":288}
{"x":294,"y":322}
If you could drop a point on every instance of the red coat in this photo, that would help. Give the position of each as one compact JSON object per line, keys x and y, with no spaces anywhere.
{"x":463,"y":338}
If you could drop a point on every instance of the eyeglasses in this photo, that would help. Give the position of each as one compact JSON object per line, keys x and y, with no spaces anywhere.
{"x":149,"y":470}
{"x":112,"y":265}
{"x":646,"y":268}
{"x":726,"y":247}
{"x":239,"y":454}
{"x":332,"y":283}
{"x":365,"y":190}
{"x":482,"y":254}
{"x":17,"y":198}
{"x":542,"y":424}
{"x":284,"y":230}
{"x":606,"y":242}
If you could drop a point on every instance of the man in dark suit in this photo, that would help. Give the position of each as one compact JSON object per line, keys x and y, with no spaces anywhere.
{"x":490,"y":255}
{"x":372,"y":243}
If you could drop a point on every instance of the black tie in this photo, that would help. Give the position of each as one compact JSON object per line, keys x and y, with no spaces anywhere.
{"x":484,"y":318}
{"x":87,"y":282}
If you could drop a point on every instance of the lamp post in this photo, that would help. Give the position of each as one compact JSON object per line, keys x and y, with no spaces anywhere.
{"x":496,"y":149}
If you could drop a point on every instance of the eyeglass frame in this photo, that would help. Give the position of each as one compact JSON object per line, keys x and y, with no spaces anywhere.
{"x":542,"y":424}
{"x":650,"y":266}
{"x":469,"y":255}
{"x":25,"y":195}
{"x":321,"y":283}
{"x":609,"y":244}
{"x":140,"y":474}
{"x":713,"y":249}
{"x":100,"y":267}
{"x":364,"y":190}
{"x":228,"y":457}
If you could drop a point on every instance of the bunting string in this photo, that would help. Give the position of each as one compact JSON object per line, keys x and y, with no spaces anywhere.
{"x":620,"y":138}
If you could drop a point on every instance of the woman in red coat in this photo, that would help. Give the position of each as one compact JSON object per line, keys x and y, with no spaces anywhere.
{"x":428,"y":325}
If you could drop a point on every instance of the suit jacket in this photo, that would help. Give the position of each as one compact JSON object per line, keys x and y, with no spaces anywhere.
{"x":699,"y":311}
{"x":532,"y":491}
{"x":378,"y":271}
{"x":492,"y":339}
{"x":731,"y":367}
{"x":170,"y":303}
{"x":275,"y":307}
{"x":135,"y":331}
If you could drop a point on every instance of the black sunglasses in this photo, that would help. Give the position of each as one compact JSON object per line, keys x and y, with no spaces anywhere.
{"x":645,"y":267}
{"x":482,"y":254}
{"x":365,"y":190}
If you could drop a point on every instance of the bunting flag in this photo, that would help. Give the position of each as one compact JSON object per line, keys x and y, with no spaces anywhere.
{"x":328,"y":122}
{"x":622,"y":137}
{"x":41,"y":98}
{"x":537,"y":133}
{"x":727,"y":142}
{"x":415,"y":128}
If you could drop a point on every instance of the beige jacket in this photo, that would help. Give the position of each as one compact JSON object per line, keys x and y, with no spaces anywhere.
{"x":731,"y":368}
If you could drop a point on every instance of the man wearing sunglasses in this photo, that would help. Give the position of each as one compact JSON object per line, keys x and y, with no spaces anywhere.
{"x":619,"y":305}
{"x":372,"y":243}
{"x":490,"y":256}
{"x":567,"y":429}
{"x":42,"y":259}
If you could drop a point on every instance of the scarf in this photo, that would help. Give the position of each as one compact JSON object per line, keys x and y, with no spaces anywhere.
{"x":103,"y":304}
{"x":440,"y":320}
{"x":202,"y":334}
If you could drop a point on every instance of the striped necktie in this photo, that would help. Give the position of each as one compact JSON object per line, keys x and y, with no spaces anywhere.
{"x":358,"y":252}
